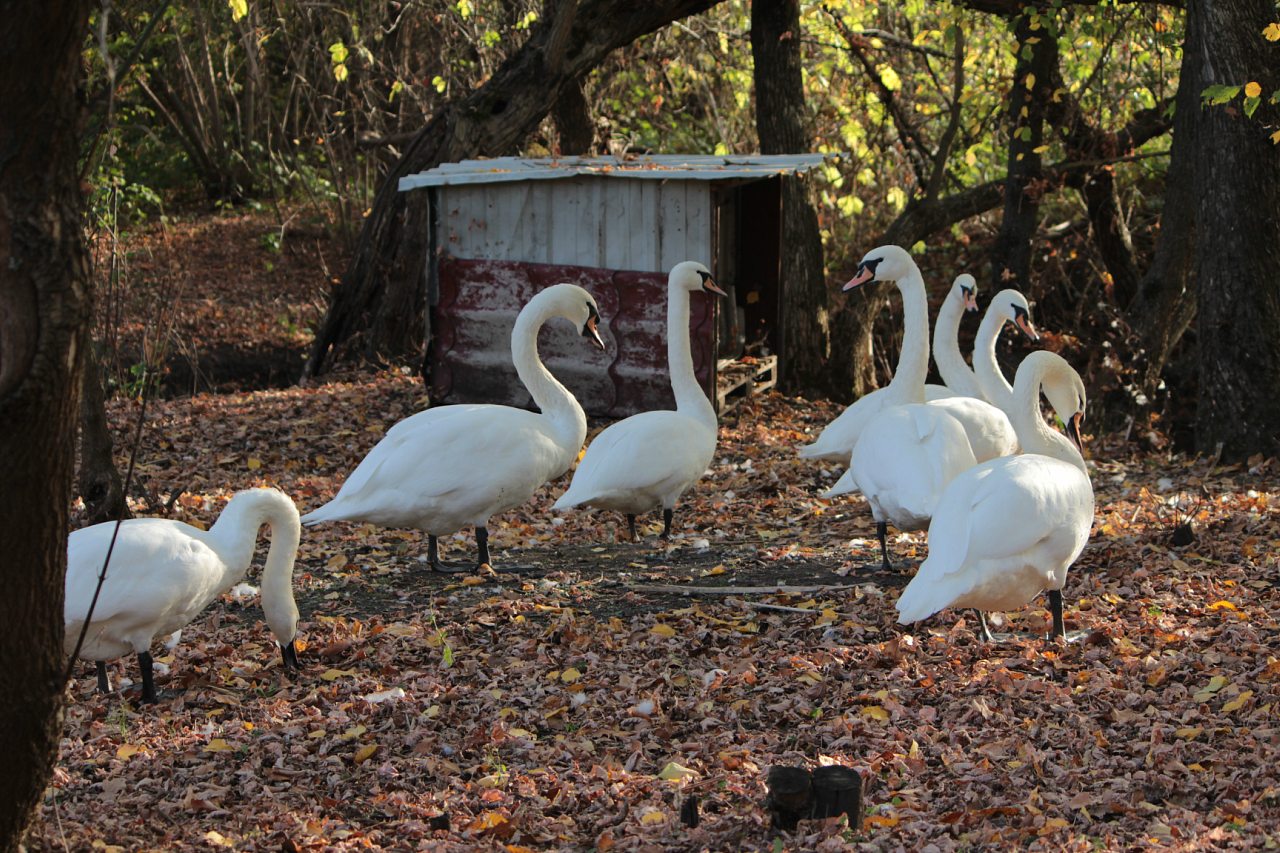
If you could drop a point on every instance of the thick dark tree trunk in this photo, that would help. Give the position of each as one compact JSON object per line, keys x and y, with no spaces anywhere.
{"x":1165,"y":303}
{"x":44,"y":306}
{"x":378,"y":308}
{"x":572,"y":115}
{"x":1029,"y":97}
{"x":1237,"y":259}
{"x":98,"y":480}
{"x":805,"y":339}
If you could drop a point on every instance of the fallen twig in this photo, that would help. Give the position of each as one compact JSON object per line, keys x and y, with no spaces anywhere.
{"x":735,"y":590}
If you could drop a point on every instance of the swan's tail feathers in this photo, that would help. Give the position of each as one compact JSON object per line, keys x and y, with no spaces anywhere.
{"x":914,"y":605}
{"x":921,"y":599}
{"x":845,"y":485}
{"x":567,"y":501}
{"x":317,"y":516}
{"x":810,"y":451}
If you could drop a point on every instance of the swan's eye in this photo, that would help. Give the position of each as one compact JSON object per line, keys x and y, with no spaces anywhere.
{"x":869,"y":265}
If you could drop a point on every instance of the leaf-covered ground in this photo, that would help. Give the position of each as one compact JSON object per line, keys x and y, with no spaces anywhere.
{"x":543,"y":710}
{"x":540,"y":710}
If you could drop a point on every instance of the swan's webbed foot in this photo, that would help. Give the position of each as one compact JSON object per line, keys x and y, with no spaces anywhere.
{"x":104,"y":680}
{"x":438,"y":565}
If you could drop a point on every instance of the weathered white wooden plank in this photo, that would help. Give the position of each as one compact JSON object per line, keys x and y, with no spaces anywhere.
{"x":674,"y":227}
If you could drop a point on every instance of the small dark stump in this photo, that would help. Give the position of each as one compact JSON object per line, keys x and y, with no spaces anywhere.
{"x":797,"y":794}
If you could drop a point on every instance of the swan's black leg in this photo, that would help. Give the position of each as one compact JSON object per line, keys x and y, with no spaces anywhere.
{"x":433,"y":557}
{"x":631,"y":526}
{"x":148,"y":678}
{"x":482,"y":545}
{"x":666,"y":523}
{"x":882,"y":531}
{"x":1055,"y":607}
{"x":104,"y":680}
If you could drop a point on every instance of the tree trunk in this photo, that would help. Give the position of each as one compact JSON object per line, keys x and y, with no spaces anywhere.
{"x":44,"y":307}
{"x":1165,"y":303}
{"x":1031,"y":93}
{"x":574,"y":126}
{"x":805,"y":334}
{"x":390,"y":257}
{"x":98,"y":481}
{"x":1237,"y":261}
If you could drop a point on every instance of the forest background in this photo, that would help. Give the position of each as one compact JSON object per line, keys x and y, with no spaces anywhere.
{"x":1116,"y":161}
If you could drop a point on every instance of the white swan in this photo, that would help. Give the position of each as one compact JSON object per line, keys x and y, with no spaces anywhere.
{"x":1009,"y":528}
{"x":1007,"y":306}
{"x":956,"y":374}
{"x":163,"y":573}
{"x":454,"y":466}
{"x":650,"y":459}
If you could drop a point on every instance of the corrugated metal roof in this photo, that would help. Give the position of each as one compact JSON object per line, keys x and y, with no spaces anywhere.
{"x":688,"y":167}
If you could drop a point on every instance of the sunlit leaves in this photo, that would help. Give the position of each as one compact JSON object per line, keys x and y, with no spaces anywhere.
{"x":239,"y":8}
{"x":1219,"y":93}
{"x":1271,"y":32}
{"x":338,"y":54}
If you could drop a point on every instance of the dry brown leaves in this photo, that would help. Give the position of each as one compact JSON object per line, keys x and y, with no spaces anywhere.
{"x":540,"y":711}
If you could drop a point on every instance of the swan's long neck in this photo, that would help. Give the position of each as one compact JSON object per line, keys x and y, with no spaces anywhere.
{"x":691,"y":400}
{"x":907,"y":385}
{"x":558,"y":406}
{"x":1034,"y":434}
{"x":990,"y":378}
{"x":946,"y":347}
{"x":236,"y":532}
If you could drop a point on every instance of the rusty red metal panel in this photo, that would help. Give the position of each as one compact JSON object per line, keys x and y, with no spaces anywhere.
{"x":477,"y":306}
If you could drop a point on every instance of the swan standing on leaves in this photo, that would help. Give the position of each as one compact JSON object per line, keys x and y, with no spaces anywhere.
{"x":163,"y":573}
{"x":1009,"y":528}
{"x":454,"y":466}
{"x":650,"y":459}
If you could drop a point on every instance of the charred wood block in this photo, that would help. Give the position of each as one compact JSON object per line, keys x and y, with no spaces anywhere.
{"x":837,"y":791}
{"x":689,"y":812}
{"x":790,"y":796}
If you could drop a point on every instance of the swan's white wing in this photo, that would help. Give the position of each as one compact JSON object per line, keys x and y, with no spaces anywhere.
{"x":641,"y":460}
{"x":988,"y":429}
{"x":904,"y":460}
{"x":162,"y":573}
{"x":939,"y":392}
{"x":429,"y":417}
{"x":456,"y":471}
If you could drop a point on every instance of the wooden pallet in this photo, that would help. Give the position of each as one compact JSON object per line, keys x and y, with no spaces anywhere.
{"x":738,"y":380}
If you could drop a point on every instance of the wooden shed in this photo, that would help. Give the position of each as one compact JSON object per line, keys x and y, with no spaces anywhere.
{"x":502,"y":229}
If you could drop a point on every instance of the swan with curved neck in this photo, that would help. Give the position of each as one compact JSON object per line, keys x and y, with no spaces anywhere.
{"x":163,"y":573}
{"x":455,"y":466}
{"x":958,"y":376}
{"x":887,"y":263}
{"x":1009,"y":528}
{"x":649,"y":460}
{"x":1007,"y":306}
